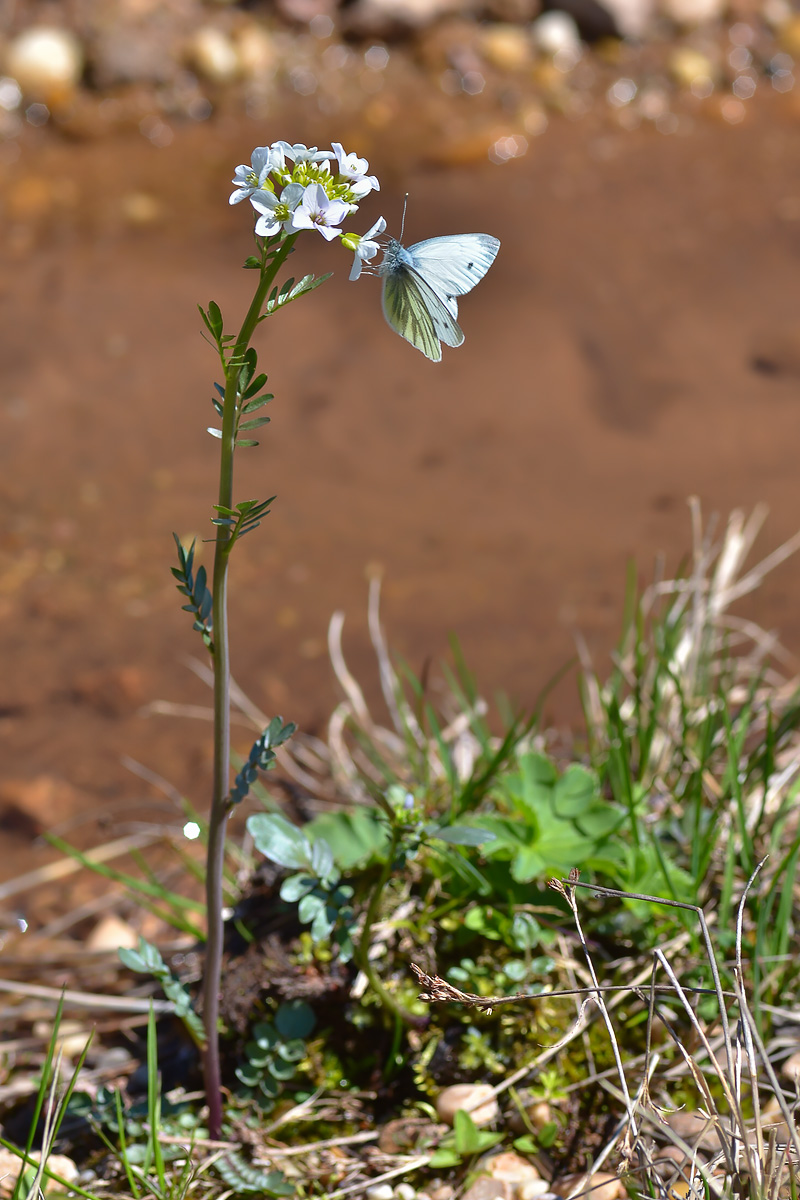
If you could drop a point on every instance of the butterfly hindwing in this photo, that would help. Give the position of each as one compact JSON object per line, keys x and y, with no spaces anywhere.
{"x":417,"y":313}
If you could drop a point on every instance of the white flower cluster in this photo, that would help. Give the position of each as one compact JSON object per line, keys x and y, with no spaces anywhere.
{"x":298,"y":187}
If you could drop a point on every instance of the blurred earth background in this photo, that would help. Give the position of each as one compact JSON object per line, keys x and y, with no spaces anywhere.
{"x":636,"y":342}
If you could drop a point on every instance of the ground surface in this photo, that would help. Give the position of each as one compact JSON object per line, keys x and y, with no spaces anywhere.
{"x":637,"y":341}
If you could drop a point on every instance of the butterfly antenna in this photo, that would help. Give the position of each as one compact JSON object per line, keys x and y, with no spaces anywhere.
{"x":403,"y":222}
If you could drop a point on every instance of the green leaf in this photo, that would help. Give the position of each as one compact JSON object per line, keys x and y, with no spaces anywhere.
{"x":539,"y":771}
{"x":576,"y":791}
{"x":246,"y":370}
{"x":258,"y":402}
{"x":295,"y":1019}
{"x":321,"y":859}
{"x":528,"y":864}
{"x":467,"y":1134}
{"x":264,"y":1035}
{"x":525,"y":931}
{"x":254,"y":386}
{"x":281,"y":1070}
{"x":322,"y":925}
{"x":355,"y":838}
{"x":280,"y":841}
{"x":463,"y":835}
{"x":145,"y":959}
{"x":213,"y":319}
{"x":309,"y":908}
{"x":293,"y":1051}
{"x":256,"y":423}
{"x":444,"y":1157}
{"x":248,"y":1075}
{"x":297,"y":886}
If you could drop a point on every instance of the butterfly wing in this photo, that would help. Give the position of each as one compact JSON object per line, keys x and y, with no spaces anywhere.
{"x":417,"y":313}
{"x":452,"y":265}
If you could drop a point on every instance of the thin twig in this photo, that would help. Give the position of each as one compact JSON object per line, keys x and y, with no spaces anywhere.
{"x":413,"y":1165}
{"x":37,"y":991}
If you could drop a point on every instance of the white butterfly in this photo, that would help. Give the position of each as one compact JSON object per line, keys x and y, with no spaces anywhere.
{"x":421,"y":283}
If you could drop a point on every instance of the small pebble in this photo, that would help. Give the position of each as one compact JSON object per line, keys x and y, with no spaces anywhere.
{"x":213,"y":55}
{"x":374,"y":17}
{"x":533,"y":1189}
{"x":257,"y":52}
{"x":510,"y":1167}
{"x":380,"y":1191}
{"x":791,"y":1068}
{"x":790,"y":36}
{"x":600,"y":1186}
{"x":140,"y":208}
{"x":506,"y":47}
{"x":631,"y":17}
{"x":404,"y":1191}
{"x":693,"y":12}
{"x":688,"y":67}
{"x":488,"y":1189}
{"x":539,"y":1114}
{"x":112,"y":933}
{"x":476,"y":1098}
{"x":71,"y":1040}
{"x":47,"y":62}
{"x":555,"y":32}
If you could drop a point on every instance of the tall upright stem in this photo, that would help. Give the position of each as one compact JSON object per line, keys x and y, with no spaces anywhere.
{"x":220,"y":807}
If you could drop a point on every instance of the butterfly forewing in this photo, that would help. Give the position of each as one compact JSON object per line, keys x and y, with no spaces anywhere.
{"x":453,"y":265}
{"x":414,"y":310}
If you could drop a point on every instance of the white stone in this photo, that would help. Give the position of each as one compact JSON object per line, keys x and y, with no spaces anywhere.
{"x":693,"y":12}
{"x":45,"y":60}
{"x":404,"y":1191}
{"x":600,"y":1186}
{"x":213,"y":55}
{"x":631,"y":17}
{"x":112,"y":933}
{"x":532,"y":1189}
{"x":257,"y":51}
{"x":380,"y":1191}
{"x":374,"y":15}
{"x":791,"y":1068}
{"x":555,"y":31}
{"x":475,"y":1098}
{"x":510,"y":1167}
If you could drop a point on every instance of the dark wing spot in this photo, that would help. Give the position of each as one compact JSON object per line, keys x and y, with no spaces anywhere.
{"x":470,"y":266}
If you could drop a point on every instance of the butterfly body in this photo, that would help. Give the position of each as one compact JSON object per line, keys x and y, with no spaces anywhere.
{"x":421,"y":284}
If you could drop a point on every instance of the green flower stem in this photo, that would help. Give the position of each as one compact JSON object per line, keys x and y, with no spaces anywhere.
{"x":220,"y":806}
{"x":384,"y":995}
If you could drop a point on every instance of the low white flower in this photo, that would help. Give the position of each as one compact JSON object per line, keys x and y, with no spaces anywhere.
{"x":276,"y":213}
{"x":354,"y":170}
{"x":251,"y":178}
{"x":365,"y":248}
{"x":317,"y":211}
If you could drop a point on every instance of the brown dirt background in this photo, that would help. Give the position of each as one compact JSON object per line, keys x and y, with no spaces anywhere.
{"x":608,"y":373}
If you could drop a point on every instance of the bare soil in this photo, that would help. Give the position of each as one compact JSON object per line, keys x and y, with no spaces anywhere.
{"x":637,"y":342}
